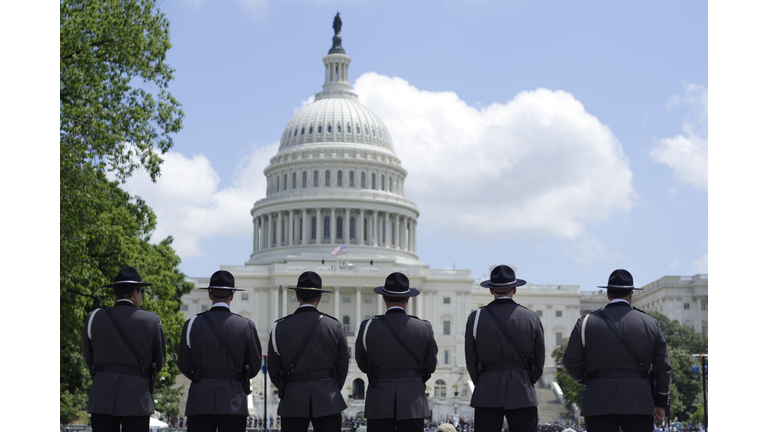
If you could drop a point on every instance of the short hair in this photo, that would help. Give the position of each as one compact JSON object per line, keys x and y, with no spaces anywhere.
{"x":307,"y":296}
{"x":220,"y":293}
{"x":391,"y":299}
{"x":124,"y":291}
{"x":619,"y":293}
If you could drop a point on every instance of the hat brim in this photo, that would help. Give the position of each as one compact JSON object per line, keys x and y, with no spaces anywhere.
{"x":621,"y":288}
{"x":308,"y":289}
{"x":491,"y":285}
{"x":127,"y":284}
{"x":412,"y":292}
{"x":222,"y":288}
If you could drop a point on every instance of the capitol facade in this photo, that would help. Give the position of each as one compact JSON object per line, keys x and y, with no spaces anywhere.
{"x":334,"y":181}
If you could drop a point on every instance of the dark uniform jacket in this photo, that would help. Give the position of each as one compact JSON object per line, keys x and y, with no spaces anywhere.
{"x":121,"y":394}
{"x":605,"y":352}
{"x":398,"y":398}
{"x":326,"y":350}
{"x":200,"y":347}
{"x":509,"y":389}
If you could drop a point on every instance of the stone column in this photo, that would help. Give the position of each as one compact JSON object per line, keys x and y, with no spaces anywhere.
{"x":359,"y":223}
{"x":279,"y":229}
{"x":333,"y":225}
{"x":336,"y":291}
{"x":697,"y":324}
{"x":358,"y":307}
{"x":374,"y":229}
{"x":256,"y":234}
{"x":387,"y":239}
{"x":274,"y":299}
{"x":291,"y":219}
{"x":318,"y":224}
{"x":269,"y":232}
{"x":409,"y":306}
{"x":305,"y":233}
{"x":285,"y":302}
{"x":396,"y":232}
{"x":414,"y":235}
{"x":345,"y":226}
{"x":379,"y":304}
{"x":420,"y":306}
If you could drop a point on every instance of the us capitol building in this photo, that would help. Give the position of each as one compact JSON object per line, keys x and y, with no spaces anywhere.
{"x":336,"y":180}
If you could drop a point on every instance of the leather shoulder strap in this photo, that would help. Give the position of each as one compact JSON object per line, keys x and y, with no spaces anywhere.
{"x":504,"y":330}
{"x":124,"y":337}
{"x":304,"y":343}
{"x":400,"y":340}
{"x":624,"y":342}
{"x":222,"y":342}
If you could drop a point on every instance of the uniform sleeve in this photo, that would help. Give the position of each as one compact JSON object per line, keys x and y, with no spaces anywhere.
{"x":538,"y":351}
{"x":342,"y":356}
{"x":274,"y":361}
{"x":663,"y":367}
{"x":159,"y":349}
{"x":253,"y":350}
{"x":470,"y":348}
{"x":573,"y":358}
{"x":87,"y":349}
{"x":430,"y":359}
{"x":361,"y":355}
{"x":184,"y":360}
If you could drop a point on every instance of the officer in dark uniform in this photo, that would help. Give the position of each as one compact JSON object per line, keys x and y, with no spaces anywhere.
{"x":123,"y":346}
{"x":618,"y":393}
{"x":504,"y":371}
{"x":308,"y":360}
{"x":398,"y":352}
{"x":220,"y":352}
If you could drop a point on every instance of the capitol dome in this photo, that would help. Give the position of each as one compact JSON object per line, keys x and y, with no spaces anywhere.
{"x":334,"y":181}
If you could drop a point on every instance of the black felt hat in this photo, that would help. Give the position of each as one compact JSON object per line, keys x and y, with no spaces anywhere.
{"x":222,"y":279}
{"x":309,"y":281}
{"x":503,"y":277}
{"x":127,"y":276}
{"x":397,"y":285}
{"x":621,"y":280}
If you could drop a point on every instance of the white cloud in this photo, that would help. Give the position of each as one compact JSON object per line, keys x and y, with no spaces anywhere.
{"x":539,"y":165}
{"x":701,"y":265}
{"x":586,"y":250}
{"x":675,"y":262}
{"x":687,"y":153}
{"x":190,"y":206}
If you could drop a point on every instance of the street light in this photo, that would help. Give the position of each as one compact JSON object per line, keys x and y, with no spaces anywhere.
{"x":703,"y":358}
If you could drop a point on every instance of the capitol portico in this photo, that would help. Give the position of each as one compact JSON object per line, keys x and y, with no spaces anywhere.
{"x":334,"y":181}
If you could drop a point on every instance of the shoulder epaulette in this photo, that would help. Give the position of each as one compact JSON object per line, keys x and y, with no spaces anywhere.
{"x":90,"y":322}
{"x":202,"y":313}
{"x":328,"y":316}
{"x":639,"y":310}
{"x":365,"y":331}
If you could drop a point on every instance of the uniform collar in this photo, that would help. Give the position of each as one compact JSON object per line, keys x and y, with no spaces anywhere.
{"x":395,"y":309}
{"x":124,"y":302}
{"x":503,"y":301}
{"x":617,"y":302}
{"x":310,"y":308}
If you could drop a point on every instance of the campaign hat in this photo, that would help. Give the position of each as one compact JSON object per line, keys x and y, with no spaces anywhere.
{"x":397,"y":285}
{"x":620,"y":279}
{"x":309,"y":281}
{"x":127,"y":276}
{"x":223,"y":280}
{"x":503,"y":277}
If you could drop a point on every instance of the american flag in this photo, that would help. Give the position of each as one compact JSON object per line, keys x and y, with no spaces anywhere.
{"x":339,"y":250}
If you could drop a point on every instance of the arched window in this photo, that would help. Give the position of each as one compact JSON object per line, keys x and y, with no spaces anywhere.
{"x":352,"y":228}
{"x":339,"y":227}
{"x":365,"y":229}
{"x":351,"y":179}
{"x":304,"y":179}
{"x":338,"y":179}
{"x":338,"y":128}
{"x":301,"y":228}
{"x":282,"y":231}
{"x":345,"y":323}
{"x":302,"y":131}
{"x":329,"y":128}
{"x":358,"y":389}
{"x":373,"y":181}
{"x":310,"y":130}
{"x":314,"y":227}
{"x":357,"y":129}
{"x":293,"y":181}
{"x":366,"y":131}
{"x":327,"y":178}
{"x":362,"y":180}
{"x":296,"y":132}
{"x":285,"y":181}
{"x":349,"y":129}
{"x":326,"y":228}
{"x":315,"y":179}
{"x":440,"y":388}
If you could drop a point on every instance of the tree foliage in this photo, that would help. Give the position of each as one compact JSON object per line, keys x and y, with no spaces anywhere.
{"x":115,"y":116}
{"x":572,"y":390}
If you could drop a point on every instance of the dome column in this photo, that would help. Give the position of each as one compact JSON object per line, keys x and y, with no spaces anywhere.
{"x":318,"y":233}
{"x":280,"y":229}
{"x":345,"y":226}
{"x":291,"y":224}
{"x":270,"y":234}
{"x":396,"y":236}
{"x":415,"y":223}
{"x":374,"y":228}
{"x":359,"y":226}
{"x":387,"y":239}
{"x":304,"y":226}
{"x":333,"y":225}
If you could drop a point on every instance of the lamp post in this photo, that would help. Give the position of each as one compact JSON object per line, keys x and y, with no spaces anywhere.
{"x":703,"y":358}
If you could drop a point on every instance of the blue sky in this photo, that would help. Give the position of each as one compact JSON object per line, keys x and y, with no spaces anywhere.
{"x":622,"y":88}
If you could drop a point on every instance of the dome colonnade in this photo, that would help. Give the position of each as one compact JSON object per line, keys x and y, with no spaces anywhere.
{"x":335,"y":180}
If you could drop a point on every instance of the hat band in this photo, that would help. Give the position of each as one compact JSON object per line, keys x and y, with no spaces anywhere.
{"x":397,"y":292}
{"x":221,"y":287}
{"x":127,"y":281}
{"x":619,"y":286}
{"x":503,"y":284}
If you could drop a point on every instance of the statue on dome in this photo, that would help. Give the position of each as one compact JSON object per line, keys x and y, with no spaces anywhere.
{"x":337,"y":23}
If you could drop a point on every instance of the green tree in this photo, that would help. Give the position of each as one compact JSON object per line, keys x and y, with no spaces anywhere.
{"x":115,"y":116}
{"x":572,"y":391}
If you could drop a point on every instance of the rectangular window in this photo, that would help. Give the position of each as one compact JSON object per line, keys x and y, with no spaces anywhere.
{"x":704,"y":306}
{"x":540,"y":313}
{"x":204,"y":307}
{"x":325,"y":299}
{"x":686,"y":305}
{"x":367,"y":299}
{"x":559,"y":338}
{"x":446,"y":300}
{"x":244,"y":296}
{"x":184,"y":308}
{"x":293,"y":298}
{"x":447,"y":328}
{"x":558,"y":313}
{"x":346,"y":299}
{"x":446,"y":357}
